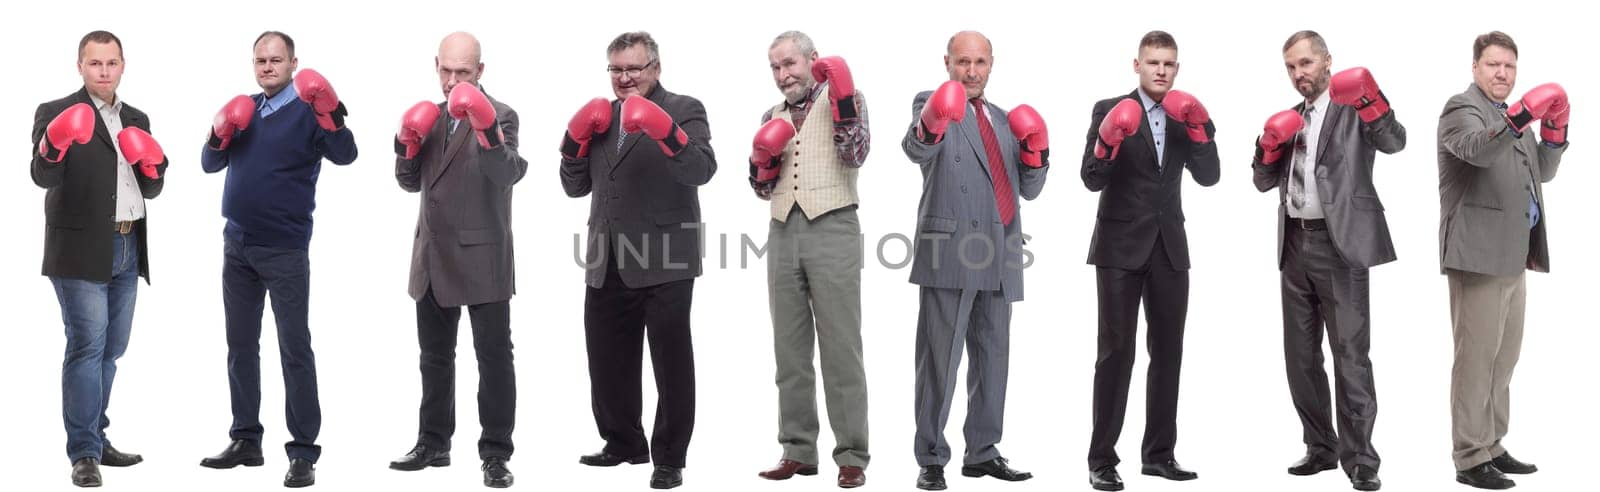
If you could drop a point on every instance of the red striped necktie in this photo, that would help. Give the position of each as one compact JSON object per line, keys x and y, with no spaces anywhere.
{"x":1004,"y":199}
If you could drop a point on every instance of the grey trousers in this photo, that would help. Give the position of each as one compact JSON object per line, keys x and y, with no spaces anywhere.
{"x":1486,"y":321}
{"x":947,"y":320}
{"x":814,"y":285}
{"x":1322,"y":294}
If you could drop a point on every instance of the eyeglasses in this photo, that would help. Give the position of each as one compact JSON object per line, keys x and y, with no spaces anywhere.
{"x":633,"y":72}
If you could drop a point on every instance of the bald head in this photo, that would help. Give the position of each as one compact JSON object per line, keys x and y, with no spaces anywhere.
{"x":969,"y":40}
{"x":460,"y":60}
{"x":969,"y":57}
{"x":461,"y":46}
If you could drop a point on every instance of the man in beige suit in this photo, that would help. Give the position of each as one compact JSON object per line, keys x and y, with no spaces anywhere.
{"x":1492,"y":224}
{"x":808,"y":173}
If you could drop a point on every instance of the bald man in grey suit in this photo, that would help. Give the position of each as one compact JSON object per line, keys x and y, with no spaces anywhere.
{"x":968,"y":256}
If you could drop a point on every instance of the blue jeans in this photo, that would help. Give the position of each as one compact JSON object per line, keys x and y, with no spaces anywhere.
{"x":249,"y":274}
{"x":98,"y":317}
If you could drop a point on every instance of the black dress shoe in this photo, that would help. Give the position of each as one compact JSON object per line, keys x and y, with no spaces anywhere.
{"x":1363,"y":477}
{"x":1312,"y":465}
{"x":603,"y":458}
{"x":421,"y":457}
{"x":301,"y":474}
{"x":931,"y":478}
{"x":1485,"y":476}
{"x":1506,"y":464}
{"x":1169,"y":470}
{"x":995,"y":468}
{"x":666,"y":477}
{"x":109,"y":456}
{"x":86,"y":472}
{"x":240,"y":452}
{"x":495,"y":473}
{"x":1105,"y":479}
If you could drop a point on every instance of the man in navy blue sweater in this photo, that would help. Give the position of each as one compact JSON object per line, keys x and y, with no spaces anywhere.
{"x":272,"y":145}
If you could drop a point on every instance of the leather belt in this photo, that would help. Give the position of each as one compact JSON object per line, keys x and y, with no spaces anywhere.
{"x":123,"y":227}
{"x":1307,"y":224}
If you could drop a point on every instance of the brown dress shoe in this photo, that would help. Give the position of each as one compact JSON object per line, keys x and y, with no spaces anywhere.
{"x":851,"y":477}
{"x":787,"y":469}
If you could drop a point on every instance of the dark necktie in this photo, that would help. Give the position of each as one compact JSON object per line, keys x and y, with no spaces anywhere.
{"x":1003,"y":199}
{"x":1297,"y":183}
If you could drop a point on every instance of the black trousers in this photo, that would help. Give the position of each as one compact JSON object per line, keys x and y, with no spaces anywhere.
{"x":1321,"y":292}
{"x":1165,"y":293}
{"x":497,"y":377}
{"x":617,"y":320}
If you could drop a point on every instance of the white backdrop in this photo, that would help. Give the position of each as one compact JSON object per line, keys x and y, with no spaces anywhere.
{"x":1237,"y":426}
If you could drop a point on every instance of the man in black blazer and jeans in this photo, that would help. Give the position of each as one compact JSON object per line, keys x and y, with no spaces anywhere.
{"x":1137,"y":148}
{"x":641,"y":160}
{"x":95,"y":155}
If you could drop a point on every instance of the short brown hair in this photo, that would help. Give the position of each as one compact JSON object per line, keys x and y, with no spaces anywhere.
{"x":1157,"y":39}
{"x":1493,"y":38}
{"x":288,"y":42}
{"x":101,"y":37}
{"x":1318,"y":45}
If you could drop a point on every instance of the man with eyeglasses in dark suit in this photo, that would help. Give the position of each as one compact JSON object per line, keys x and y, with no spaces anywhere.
{"x":641,"y":159}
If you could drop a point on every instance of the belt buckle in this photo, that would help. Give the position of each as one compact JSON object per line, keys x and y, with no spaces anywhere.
{"x":124,"y":226}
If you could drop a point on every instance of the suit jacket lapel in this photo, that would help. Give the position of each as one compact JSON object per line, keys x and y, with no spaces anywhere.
{"x":969,"y":128}
{"x":100,"y":130}
{"x":454,"y":143}
{"x":1145,"y":132}
{"x":1324,"y":134}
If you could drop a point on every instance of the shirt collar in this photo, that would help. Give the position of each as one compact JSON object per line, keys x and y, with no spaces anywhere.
{"x":1321,"y":102}
{"x":1149,"y":103}
{"x":805,"y":102}
{"x":102,"y":106}
{"x":277,"y":101}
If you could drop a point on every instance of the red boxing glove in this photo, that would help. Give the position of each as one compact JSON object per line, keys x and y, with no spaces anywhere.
{"x":841,"y":88}
{"x":1121,"y":122}
{"x":317,"y":92}
{"x":639,"y":114}
{"x":1183,"y":107}
{"x":141,"y":149}
{"x":468,"y":103}
{"x":1280,"y":129}
{"x":1554,"y":130}
{"x":593,"y":119}
{"x":948,"y":104}
{"x":74,"y":125}
{"x":767,"y":150}
{"x":1355,"y":87}
{"x":414,"y":128}
{"x":1545,"y":100}
{"x":234,"y":117}
{"x":1032,"y":136}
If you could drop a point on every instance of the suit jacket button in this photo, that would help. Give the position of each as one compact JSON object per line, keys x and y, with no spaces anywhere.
{"x":963,"y":188}
{"x":958,"y":158}
{"x":974,"y":224}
